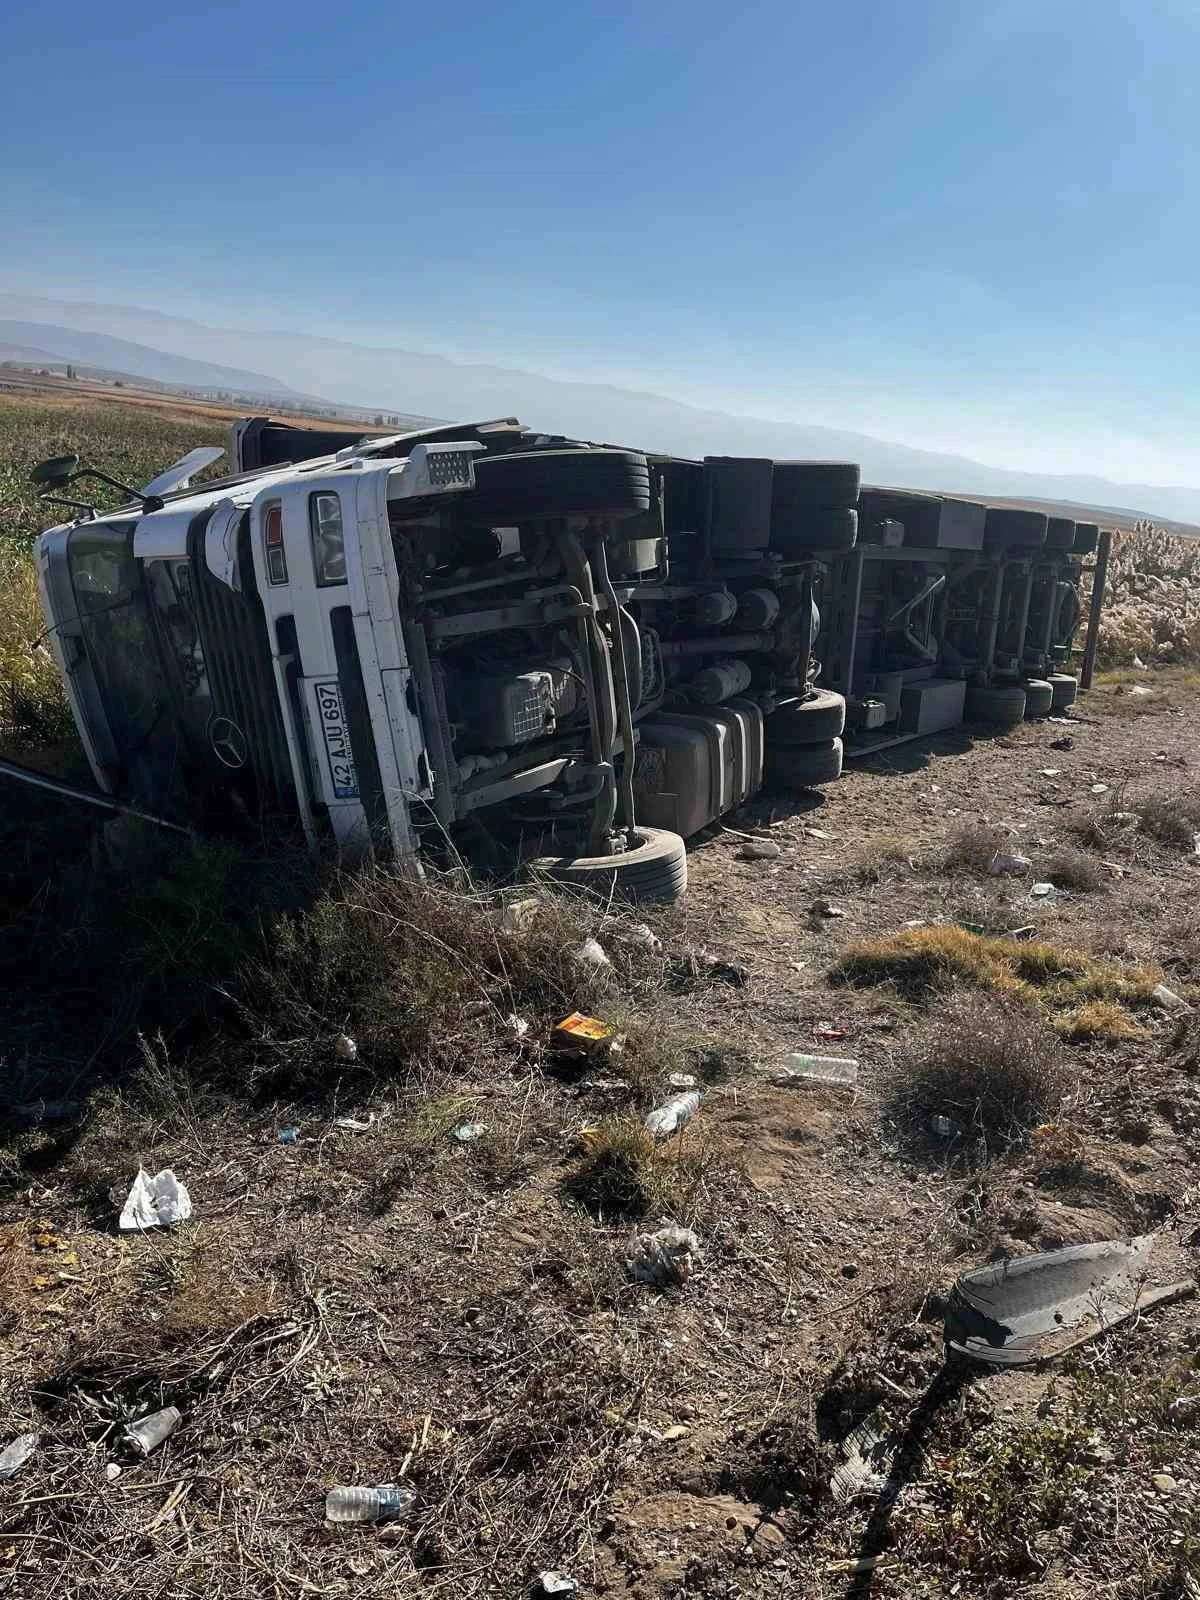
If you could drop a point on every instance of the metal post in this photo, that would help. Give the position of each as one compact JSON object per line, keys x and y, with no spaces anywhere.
{"x":1099,"y":576}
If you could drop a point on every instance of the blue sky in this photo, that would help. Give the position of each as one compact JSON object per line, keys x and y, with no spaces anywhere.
{"x":965,"y":226}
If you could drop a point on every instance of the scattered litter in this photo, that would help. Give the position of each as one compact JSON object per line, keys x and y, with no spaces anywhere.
{"x":1002,"y":863}
{"x":759,"y":850}
{"x":1005,"y":1314}
{"x":553,"y":1583}
{"x":800,"y":1068}
{"x":868,"y":1460}
{"x":519,"y":915}
{"x":1099,"y":788}
{"x":701,"y":963}
{"x":945,"y":1129}
{"x":1127,"y":817}
{"x":515,"y":1028}
{"x":670,"y":1117}
{"x":1051,"y":772}
{"x":639,"y":937}
{"x":145,"y":1435}
{"x":15,"y":1455}
{"x":829,"y":1032}
{"x":356,"y":1124}
{"x":468,"y":1132}
{"x":288,"y":1135}
{"x":1140,"y":690}
{"x":155,"y":1202}
{"x":591,"y":953}
{"x":583,"y":1036}
{"x":112,"y":1471}
{"x":344,"y":1047}
{"x":1185,"y":1408}
{"x":1138,"y":664}
{"x":797,"y":966}
{"x":1164,"y":1483}
{"x":386,"y":1502}
{"x":44,"y":1111}
{"x":1023,"y":934}
{"x":681,"y":1080}
{"x":1169,"y":1000}
{"x":862,"y":1564}
{"x":1043,"y":891}
{"x":1067,"y":742}
{"x":668,"y":1256}
{"x":825,"y":908}
{"x":816,"y":833}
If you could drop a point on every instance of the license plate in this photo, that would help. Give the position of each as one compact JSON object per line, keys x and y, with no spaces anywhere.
{"x":337,"y":741}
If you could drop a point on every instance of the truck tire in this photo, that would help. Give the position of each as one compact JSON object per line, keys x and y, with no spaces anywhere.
{"x":1065,"y":688}
{"x":560,"y":483}
{"x":817,"y":718}
{"x":819,"y":529}
{"x":804,"y":766}
{"x":655,"y":873}
{"x":1022,"y":530}
{"x":1039,"y":698}
{"x":1005,"y":707}
{"x":805,"y":485}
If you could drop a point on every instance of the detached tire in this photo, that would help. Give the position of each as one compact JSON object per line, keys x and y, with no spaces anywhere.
{"x":819,"y":530}
{"x":1039,"y":698}
{"x":653,"y":874}
{"x":803,"y":485}
{"x":1066,"y":689}
{"x":816,"y":719}
{"x":560,"y":483}
{"x":804,"y":766}
{"x":1004,"y":707}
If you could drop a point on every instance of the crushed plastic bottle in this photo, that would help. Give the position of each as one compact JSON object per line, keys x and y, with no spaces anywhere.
{"x":1169,"y":1000}
{"x":670,"y":1117}
{"x":801,"y":1068}
{"x":148,"y":1433}
{"x":386,"y":1502}
{"x":344,"y":1047}
{"x":14,"y":1457}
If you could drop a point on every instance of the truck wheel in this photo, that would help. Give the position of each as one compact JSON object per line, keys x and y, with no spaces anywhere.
{"x":830,"y":528}
{"x":561,"y":483}
{"x":804,"y":766}
{"x":1065,"y":688}
{"x":1039,"y":698}
{"x":1018,"y":529}
{"x":654,"y":873}
{"x":817,"y":718}
{"x":803,"y":485}
{"x":1005,"y":707}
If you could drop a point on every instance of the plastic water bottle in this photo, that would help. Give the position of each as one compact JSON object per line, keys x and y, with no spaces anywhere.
{"x":386,"y":1502}
{"x":669,"y":1118}
{"x":819,"y":1069}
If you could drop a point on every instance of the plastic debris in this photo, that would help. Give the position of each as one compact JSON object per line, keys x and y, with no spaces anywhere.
{"x":1067,"y":742}
{"x":802,"y":1068}
{"x":830,"y":1032}
{"x":639,"y":937}
{"x":549,"y":1584}
{"x":681,"y":1080}
{"x":386,"y":1502}
{"x":515,"y":1028}
{"x":1140,"y":691}
{"x":826,"y":908}
{"x":468,"y":1132}
{"x":1099,"y":788}
{"x":1138,"y":664}
{"x":1006,"y":1314}
{"x":14,"y":1456}
{"x":667,"y":1256}
{"x":1051,"y":772}
{"x":519,"y":915}
{"x":112,"y":1471}
{"x":155,"y":1202}
{"x":1022,"y":934}
{"x":759,"y":850}
{"x":1043,"y":891}
{"x":591,"y":953}
{"x":344,"y":1047}
{"x":288,"y":1135}
{"x":145,"y":1435}
{"x":670,"y":1117}
{"x":945,"y":1129}
{"x":1169,"y":1000}
{"x":1002,"y":863}
{"x":356,"y":1124}
{"x":701,"y":963}
{"x":868,"y":1461}
{"x":581,"y":1035}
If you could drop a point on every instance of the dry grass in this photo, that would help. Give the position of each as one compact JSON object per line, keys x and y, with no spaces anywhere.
{"x":624,"y":1176}
{"x":990,"y":1064}
{"x":922,"y":962}
{"x":972,"y":849}
{"x":1074,"y":869}
{"x":1097,"y":1021}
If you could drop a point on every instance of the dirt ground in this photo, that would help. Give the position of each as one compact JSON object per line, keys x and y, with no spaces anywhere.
{"x":391,"y":1304}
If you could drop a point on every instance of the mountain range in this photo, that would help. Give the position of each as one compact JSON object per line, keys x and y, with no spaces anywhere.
{"x":172,"y":349}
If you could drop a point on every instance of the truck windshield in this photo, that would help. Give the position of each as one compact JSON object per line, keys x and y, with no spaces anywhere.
{"x":123,"y":648}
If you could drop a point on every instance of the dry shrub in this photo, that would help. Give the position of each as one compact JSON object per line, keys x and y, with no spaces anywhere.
{"x":990,"y":1064}
{"x":1171,"y":819}
{"x":921,"y":961}
{"x":1102,"y":1020}
{"x":971,"y":849}
{"x":1074,"y":869}
{"x":625,"y":1175}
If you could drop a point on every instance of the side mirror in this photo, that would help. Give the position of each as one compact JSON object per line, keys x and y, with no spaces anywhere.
{"x":55,"y":473}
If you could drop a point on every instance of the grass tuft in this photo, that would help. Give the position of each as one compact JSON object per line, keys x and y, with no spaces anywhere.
{"x":1097,"y":1020}
{"x":971,"y":849}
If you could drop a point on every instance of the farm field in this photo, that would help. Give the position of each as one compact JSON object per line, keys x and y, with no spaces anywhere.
{"x":409,"y":1261}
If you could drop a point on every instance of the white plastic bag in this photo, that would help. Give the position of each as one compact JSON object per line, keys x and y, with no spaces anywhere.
{"x":155,"y":1202}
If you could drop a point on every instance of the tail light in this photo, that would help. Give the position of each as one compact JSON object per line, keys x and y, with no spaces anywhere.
{"x":273,"y":551}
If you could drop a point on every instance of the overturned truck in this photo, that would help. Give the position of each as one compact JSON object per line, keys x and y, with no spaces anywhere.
{"x":482,"y":640}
